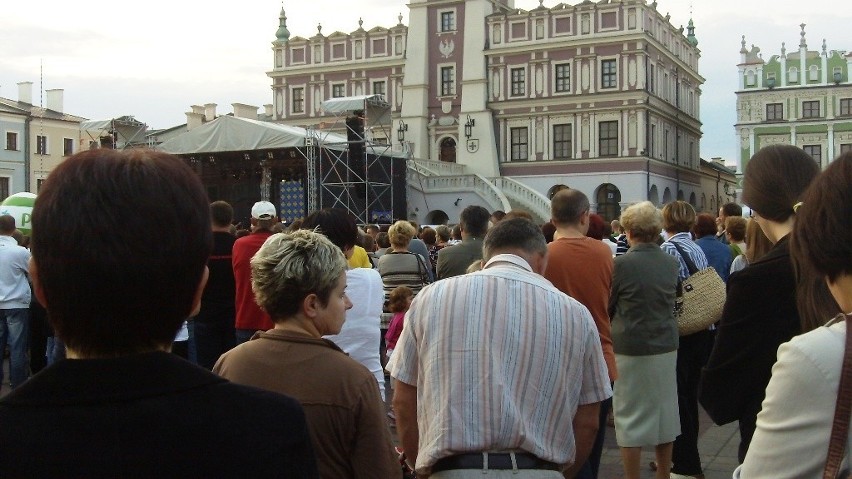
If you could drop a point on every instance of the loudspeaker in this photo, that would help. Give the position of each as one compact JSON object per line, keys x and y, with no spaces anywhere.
{"x":355,"y":137}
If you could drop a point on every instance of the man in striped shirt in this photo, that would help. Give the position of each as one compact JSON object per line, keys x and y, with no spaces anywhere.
{"x":498,"y":372}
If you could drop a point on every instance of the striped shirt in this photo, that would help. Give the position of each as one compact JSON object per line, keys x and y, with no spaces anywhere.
{"x":684,"y":240}
{"x":501,"y":360}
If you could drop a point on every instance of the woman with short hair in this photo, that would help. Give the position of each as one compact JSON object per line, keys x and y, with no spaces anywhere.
{"x":399,"y":266}
{"x":299,"y":278}
{"x":678,"y":220}
{"x":645,"y":341}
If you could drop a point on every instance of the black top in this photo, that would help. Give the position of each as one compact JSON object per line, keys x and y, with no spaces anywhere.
{"x":149,"y":415}
{"x":760,"y":314}
{"x":220,"y":284}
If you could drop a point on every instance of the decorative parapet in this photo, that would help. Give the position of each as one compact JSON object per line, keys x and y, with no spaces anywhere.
{"x":531,"y":200}
{"x":440,"y":167}
{"x":477,"y":184}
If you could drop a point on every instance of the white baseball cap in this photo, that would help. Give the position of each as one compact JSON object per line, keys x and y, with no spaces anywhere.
{"x":263,"y":210}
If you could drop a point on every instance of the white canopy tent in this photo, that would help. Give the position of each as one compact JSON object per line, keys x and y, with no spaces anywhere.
{"x":229,"y":133}
{"x":120,"y":133}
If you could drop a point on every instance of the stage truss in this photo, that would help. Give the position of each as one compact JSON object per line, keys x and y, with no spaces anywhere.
{"x":353,"y":172}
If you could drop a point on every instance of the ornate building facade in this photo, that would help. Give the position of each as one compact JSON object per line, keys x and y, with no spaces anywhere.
{"x":801,"y":98}
{"x":599,"y":96}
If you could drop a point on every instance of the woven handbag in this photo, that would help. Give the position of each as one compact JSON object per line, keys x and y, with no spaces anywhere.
{"x":700,"y":298}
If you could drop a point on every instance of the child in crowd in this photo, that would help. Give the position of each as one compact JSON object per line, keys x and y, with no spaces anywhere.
{"x":398,"y":303}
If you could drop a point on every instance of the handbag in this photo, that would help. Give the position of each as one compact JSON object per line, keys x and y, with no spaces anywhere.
{"x":700,"y":297}
{"x":842,"y":410}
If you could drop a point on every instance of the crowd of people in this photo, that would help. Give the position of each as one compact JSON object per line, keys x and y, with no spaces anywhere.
{"x":509,"y":345}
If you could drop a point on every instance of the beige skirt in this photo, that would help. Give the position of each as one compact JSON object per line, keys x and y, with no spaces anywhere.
{"x":644,"y":400}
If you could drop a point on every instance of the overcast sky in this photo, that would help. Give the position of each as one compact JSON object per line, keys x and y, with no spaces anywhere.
{"x":154,"y":59}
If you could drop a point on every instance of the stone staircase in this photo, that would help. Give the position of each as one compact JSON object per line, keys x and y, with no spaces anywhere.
{"x":499,"y":193}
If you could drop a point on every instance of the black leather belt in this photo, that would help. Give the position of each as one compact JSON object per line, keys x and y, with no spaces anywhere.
{"x":501,"y":461}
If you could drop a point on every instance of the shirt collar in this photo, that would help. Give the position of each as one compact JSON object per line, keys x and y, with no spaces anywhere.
{"x":509,"y":258}
{"x":8,"y":239}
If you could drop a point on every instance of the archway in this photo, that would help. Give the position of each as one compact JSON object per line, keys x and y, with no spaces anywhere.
{"x":448,"y":150}
{"x":667,"y":196}
{"x":654,"y":195}
{"x":703,"y":202}
{"x":692,"y":199}
{"x":555,"y":189}
{"x":437,"y":217}
{"x":680,"y":195}
{"x":609,"y":199}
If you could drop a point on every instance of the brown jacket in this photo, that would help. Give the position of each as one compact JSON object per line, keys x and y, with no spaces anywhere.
{"x":342,"y":404}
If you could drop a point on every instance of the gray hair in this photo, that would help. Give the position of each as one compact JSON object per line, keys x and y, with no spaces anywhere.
{"x":643,"y":221}
{"x":290,"y":266}
{"x":514,"y":233}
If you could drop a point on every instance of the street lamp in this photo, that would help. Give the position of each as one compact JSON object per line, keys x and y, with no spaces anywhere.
{"x":468,"y":127}
{"x":400,"y":132}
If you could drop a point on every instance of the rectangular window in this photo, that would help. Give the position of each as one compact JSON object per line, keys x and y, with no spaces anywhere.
{"x":67,"y":146}
{"x":39,"y":182}
{"x":4,"y":187}
{"x":448,"y":21}
{"x":337,"y":90}
{"x":815,"y":151}
{"x":562,"y":142}
{"x":41,"y":145}
{"x":608,"y":74}
{"x":378,"y":88}
{"x":298,"y":100}
{"x":520,"y":144}
{"x":774,"y":111}
{"x":448,"y":81}
{"x":519,"y":81}
{"x":845,"y":148}
{"x":846,"y":106}
{"x":563,"y":78}
{"x":608,"y":138}
{"x":11,"y":140}
{"x":652,"y":75}
{"x":810,"y":109}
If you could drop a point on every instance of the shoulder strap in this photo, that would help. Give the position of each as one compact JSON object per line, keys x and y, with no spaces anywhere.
{"x":842,"y":410}
{"x":689,"y":264}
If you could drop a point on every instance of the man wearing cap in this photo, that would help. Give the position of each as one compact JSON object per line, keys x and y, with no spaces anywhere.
{"x":250,"y":318}
{"x":14,"y":301}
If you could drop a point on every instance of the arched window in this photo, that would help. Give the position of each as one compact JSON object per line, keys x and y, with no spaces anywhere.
{"x":437,"y":217}
{"x":448,"y":150}
{"x":555,"y":189}
{"x":692,"y":199}
{"x":654,"y":196}
{"x":667,"y":196}
{"x":609,"y":199}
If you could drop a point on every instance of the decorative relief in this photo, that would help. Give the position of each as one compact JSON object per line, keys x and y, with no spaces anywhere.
{"x":399,"y":93}
{"x":317,"y":99}
{"x":446,"y":107}
{"x":279,"y":103}
{"x":766,"y":140}
{"x":744,"y":138}
{"x":631,"y":72}
{"x":585,"y":134}
{"x":495,"y":83}
{"x":539,"y":80}
{"x":447,"y":47}
{"x":584,"y":76}
{"x":632,"y":131}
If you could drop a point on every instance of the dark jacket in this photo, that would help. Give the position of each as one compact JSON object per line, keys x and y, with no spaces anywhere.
{"x":760,"y":314}
{"x":454,"y":260}
{"x":644,"y":284}
{"x":149,"y":415}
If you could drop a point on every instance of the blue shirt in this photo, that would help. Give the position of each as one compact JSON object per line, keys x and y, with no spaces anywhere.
{"x":718,"y":255}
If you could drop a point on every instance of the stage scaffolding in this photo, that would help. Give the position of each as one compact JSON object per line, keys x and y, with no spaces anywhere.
{"x":116,"y":133}
{"x":355,"y":172}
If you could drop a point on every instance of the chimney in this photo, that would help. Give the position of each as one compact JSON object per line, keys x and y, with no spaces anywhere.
{"x":241,"y":110}
{"x":25,"y":92}
{"x":267,"y":109}
{"x":209,"y":111}
{"x":194,"y":119}
{"x":55,"y":99}
{"x":198,"y":109}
